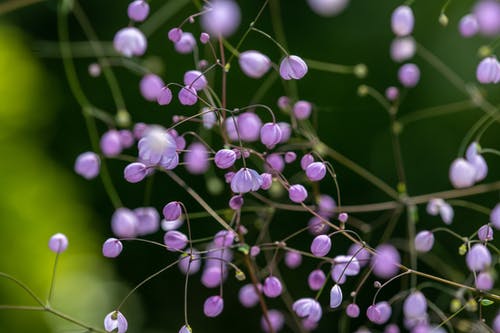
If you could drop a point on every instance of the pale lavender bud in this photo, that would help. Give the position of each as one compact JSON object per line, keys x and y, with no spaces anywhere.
{"x":228,"y":176}
{"x":171,"y":225}
{"x":213,"y":276}
{"x":185,"y":329}
{"x":293,"y":67}
{"x":409,"y":75}
{"x":247,"y":296}
{"x":224,"y":238}
{"x":115,"y":321}
{"x":326,"y":205}
{"x":321,"y":245}
{"x":254,"y":251}
{"x":110,"y":143}
{"x":468,"y":26}
{"x":130,"y":42}
{"x":403,"y":48}
{"x":462,"y":173}
{"x":209,"y":118}
{"x":393,"y":328}
{"x":316,"y":279}
{"x":188,"y":96}
{"x":308,"y":308}
{"x":293,"y":259}
{"x":195,"y":79}
{"x":487,"y":14}
{"x":352,"y":310}
{"x":236,"y":202}
{"x":415,"y":305}
{"x":135,"y":172}
{"x":186,"y":43}
{"x":276,"y":318}
{"x":112,"y":248}
{"x":385,"y":262}
{"x":495,"y":216}
{"x":267,"y":181}
{"x":274,"y":163}
{"x":488,"y":70}
{"x":384,"y":313}
{"x":481,"y":167}
{"x":270,"y":134}
{"x":88,"y":165}
{"x":343,"y":217}
{"x":272,"y":287}
{"x":316,"y":171}
{"x":478,"y":258}
{"x":175,"y":34}
{"x":151,"y":86}
{"x":58,"y":243}
{"x":164,"y":97}
{"x":204,"y":38}
{"x":317,"y":226}
{"x":302,"y":109}
{"x":297,"y":193}
{"x":254,"y":64}
{"x":246,"y":180}
{"x":328,"y":8}
{"x":249,"y":125}
{"x":213,"y":306}
{"x":172,"y":211}
{"x":126,"y":138}
{"x":424,"y":241}
{"x":138,"y":10}
{"x":225,"y":158}
{"x":175,"y":240}
{"x":306,"y":160}
{"x":140,"y":130}
{"x":190,"y":268}
{"x":335,"y":296}
{"x":148,"y":220}
{"x":346,"y":265}
{"x":286,"y":131}
{"x":392,"y":93}
{"x":402,"y":21}
{"x":362,"y":255}
{"x":290,"y":156}
{"x":484,"y":281}
{"x":485,"y":233}
{"x":373,"y":314}
{"x":124,"y":223}
{"x":283,"y":102}
{"x":196,"y":158}
{"x":222,"y":18}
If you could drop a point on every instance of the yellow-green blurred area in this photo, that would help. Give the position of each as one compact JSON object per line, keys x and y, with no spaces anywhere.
{"x":42,"y":130}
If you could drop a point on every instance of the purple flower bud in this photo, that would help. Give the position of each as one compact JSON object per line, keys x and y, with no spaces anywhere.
{"x":247,"y":296}
{"x":462,"y":173}
{"x":321,"y":245}
{"x":335,"y":296}
{"x":439,"y":206}
{"x":130,"y":42}
{"x":158,"y":147}
{"x":228,"y":176}
{"x":236,"y":202}
{"x":346,"y":265}
{"x":362,"y":255}
{"x":246,"y":180}
{"x":222,"y":18}
{"x":481,"y":167}
{"x":409,"y":75}
{"x":270,"y":134}
{"x":326,"y":205}
{"x":286,"y":131}
{"x":196,"y":158}
{"x":126,"y":138}
{"x":392,"y":93}
{"x":468,"y":26}
{"x":283,"y":103}
{"x":496,"y":323}
{"x":385,"y":262}
{"x":302,"y":109}
{"x":485,"y":233}
{"x":373,"y":313}
{"x":151,"y":86}
{"x":274,"y":163}
{"x":305,"y":161}
{"x":190,"y":268}
{"x":139,"y":130}
{"x":316,"y":171}
{"x":186,"y":43}
{"x":225,"y":158}
{"x":209,"y":118}
{"x":148,"y":220}
{"x":175,"y":240}
{"x":488,"y":70}
{"x":415,"y":305}
{"x":293,"y":259}
{"x":487,"y":14}
{"x":204,"y":38}
{"x":188,"y":96}
{"x":276,"y":318}
{"x":164,"y":96}
{"x":478,"y":258}
{"x":308,"y":308}
{"x":403,"y":48}
{"x":379,"y":313}
{"x":224,"y":238}
{"x":290,"y":156}
{"x":328,"y":7}
{"x":195,"y":79}
{"x":249,"y":125}
{"x":112,"y":248}
{"x":297,"y":193}
{"x":352,"y":310}
{"x":175,"y":34}
{"x":185,"y":329}
{"x":402,"y":21}
{"x":316,"y":279}
{"x":424,"y":241}
{"x":213,"y":306}
{"x":172,"y":211}
{"x":495,"y":216}
{"x":58,"y":243}
{"x":110,"y":143}
{"x":272,"y":287}
{"x":254,"y":251}
{"x":343,"y":217}
{"x":88,"y":165}
{"x":135,"y":172}
{"x":115,"y":321}
{"x":254,"y":64}
{"x":138,"y":10}
{"x":484,"y":281}
{"x":393,"y":328}
{"x":293,"y":67}
{"x":124,"y":223}
{"x":267,"y":181}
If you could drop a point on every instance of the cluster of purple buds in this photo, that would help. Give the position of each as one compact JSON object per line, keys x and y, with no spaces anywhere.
{"x":437,"y":206}
{"x":465,"y":172}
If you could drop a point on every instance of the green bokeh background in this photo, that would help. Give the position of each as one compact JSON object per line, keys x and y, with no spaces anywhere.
{"x":42,"y":131}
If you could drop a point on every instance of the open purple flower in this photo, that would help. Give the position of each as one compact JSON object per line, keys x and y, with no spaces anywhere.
{"x":246,"y":180}
{"x":293,"y":67}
